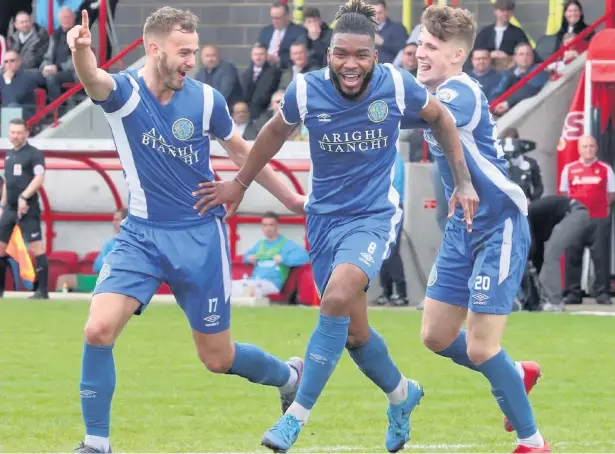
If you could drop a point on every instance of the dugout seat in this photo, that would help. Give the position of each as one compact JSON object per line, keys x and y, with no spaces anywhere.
{"x":86,"y":263}
{"x":61,"y":262}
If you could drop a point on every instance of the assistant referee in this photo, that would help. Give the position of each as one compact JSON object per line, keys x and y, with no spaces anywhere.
{"x":24,"y":173}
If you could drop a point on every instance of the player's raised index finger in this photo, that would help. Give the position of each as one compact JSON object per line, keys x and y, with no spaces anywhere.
{"x":85,"y":20}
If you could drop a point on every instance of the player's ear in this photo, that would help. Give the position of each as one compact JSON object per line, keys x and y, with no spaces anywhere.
{"x":328,"y":55}
{"x":375,"y":56}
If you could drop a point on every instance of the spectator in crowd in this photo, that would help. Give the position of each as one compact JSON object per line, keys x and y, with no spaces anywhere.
{"x":220,"y":74}
{"x":57,"y":66}
{"x":3,"y":49}
{"x":301,"y":64}
{"x":318,"y":36}
{"x":412,"y":39}
{"x":485,"y":75}
{"x":243,"y":122}
{"x":17,"y":85}
{"x":278,"y":36}
{"x":556,"y":222}
{"x":391,"y":36}
{"x":274,"y":106}
{"x":501,"y":38}
{"x":572,"y":22}
{"x":85,"y":283}
{"x":29,"y":40}
{"x":558,"y":68}
{"x":93,"y":7}
{"x":272,"y":257}
{"x":591,"y":182}
{"x":10,"y":8}
{"x":524,"y":63}
{"x":42,"y":11}
{"x":522,"y":169}
{"x":259,"y":81}
{"x":392,"y":271}
{"x":408,"y":58}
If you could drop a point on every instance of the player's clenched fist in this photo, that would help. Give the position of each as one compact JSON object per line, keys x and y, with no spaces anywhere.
{"x":79,"y":37}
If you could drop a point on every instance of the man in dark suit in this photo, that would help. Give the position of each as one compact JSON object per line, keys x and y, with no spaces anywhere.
{"x":524,"y":64}
{"x":219,"y":74}
{"x":301,"y":64}
{"x":391,"y":36}
{"x":278,"y":37}
{"x":241,"y":116}
{"x":17,"y":85}
{"x":485,"y":75}
{"x":259,"y":81}
{"x":501,"y":38}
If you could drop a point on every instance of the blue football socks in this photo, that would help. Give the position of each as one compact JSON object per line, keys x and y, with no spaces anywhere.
{"x":509,"y":391}
{"x":323,"y":352}
{"x":257,"y":366}
{"x":458,"y":351}
{"x":375,"y":362}
{"x":97,"y":386}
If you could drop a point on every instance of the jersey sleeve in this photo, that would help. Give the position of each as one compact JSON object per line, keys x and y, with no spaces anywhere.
{"x":221,"y":124}
{"x":122,"y":90}
{"x":460,"y":100}
{"x":610,"y":181}
{"x":416,"y":96}
{"x":563,"y":184}
{"x":38,"y":162}
{"x":289,"y":107}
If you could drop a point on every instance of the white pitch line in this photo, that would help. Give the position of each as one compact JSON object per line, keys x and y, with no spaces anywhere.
{"x":436,"y":446}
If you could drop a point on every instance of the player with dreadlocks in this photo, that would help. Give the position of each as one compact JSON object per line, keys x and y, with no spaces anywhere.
{"x":352,"y":110}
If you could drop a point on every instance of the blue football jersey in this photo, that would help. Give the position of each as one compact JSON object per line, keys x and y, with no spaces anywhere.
{"x":353,"y":144}
{"x":499,"y":196}
{"x":164,"y":150}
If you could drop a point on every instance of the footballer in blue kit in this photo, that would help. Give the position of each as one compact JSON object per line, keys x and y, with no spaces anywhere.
{"x":352,"y":110}
{"x":161,"y":121}
{"x":478,"y":270}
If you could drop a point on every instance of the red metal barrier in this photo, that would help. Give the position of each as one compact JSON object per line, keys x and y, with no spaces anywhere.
{"x":85,"y":160}
{"x":79,"y":86}
{"x":504,"y":96}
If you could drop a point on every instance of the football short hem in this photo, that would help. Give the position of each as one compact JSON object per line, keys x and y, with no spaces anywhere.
{"x":435,"y":295}
{"x":139,"y":310}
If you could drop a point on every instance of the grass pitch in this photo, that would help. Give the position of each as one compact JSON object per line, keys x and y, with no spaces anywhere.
{"x":165,"y":401}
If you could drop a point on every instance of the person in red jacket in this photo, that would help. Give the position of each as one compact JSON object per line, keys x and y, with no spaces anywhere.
{"x":591,"y":182}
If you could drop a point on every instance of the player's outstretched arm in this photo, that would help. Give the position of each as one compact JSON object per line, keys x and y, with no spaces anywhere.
{"x":444,"y":131}
{"x":267,"y":144}
{"x":98,"y":84}
{"x":239,"y":150}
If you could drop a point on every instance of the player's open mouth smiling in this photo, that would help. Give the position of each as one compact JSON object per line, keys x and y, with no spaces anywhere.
{"x":351,"y":80}
{"x":424,"y":66}
{"x":182,"y":74}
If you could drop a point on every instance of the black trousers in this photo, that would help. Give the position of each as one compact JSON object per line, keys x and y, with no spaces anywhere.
{"x":596,"y":236}
{"x":392,"y":271}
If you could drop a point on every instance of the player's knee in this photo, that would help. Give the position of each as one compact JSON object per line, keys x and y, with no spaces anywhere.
{"x":356,"y":340}
{"x":479,"y":352}
{"x":434,"y":339}
{"x":99,"y":332}
{"x":218,"y":363}
{"x":335,"y":303}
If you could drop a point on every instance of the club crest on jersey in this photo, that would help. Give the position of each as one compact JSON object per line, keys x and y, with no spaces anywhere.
{"x":378,"y":111}
{"x":183,"y":129}
{"x":446,"y":95}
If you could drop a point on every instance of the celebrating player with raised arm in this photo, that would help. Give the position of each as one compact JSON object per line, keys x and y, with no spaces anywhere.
{"x":480,"y":271}
{"x":352,"y":110}
{"x":161,"y":121}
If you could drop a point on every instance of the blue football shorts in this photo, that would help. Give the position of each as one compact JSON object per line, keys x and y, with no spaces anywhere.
{"x":481,"y":270}
{"x":363,"y":241}
{"x":193,"y":261}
